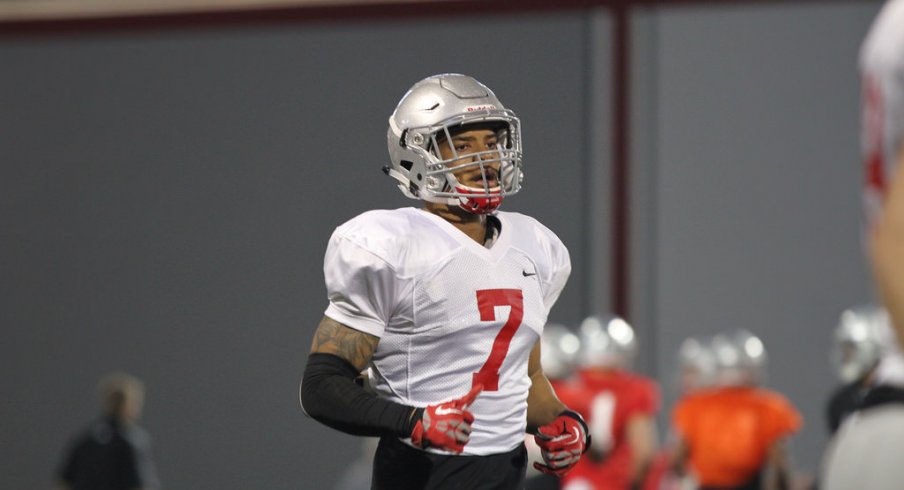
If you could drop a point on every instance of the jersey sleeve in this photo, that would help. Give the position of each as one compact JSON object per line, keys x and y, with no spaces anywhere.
{"x":559,"y":271}
{"x":783,"y":418}
{"x":882,"y":103}
{"x":361,"y":286}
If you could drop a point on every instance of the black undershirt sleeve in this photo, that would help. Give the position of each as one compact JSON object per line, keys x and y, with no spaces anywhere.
{"x":330,"y":395}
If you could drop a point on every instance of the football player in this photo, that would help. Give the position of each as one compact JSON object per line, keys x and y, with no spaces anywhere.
{"x":695,"y":370}
{"x":858,"y":347}
{"x":882,"y":138}
{"x":445,"y":304}
{"x":877,"y":429}
{"x":731,"y":437}
{"x":620,"y":407}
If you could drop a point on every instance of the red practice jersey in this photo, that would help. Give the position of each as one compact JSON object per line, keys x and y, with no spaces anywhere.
{"x":608,"y":400}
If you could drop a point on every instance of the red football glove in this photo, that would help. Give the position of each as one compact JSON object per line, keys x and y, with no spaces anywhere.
{"x":562,"y":443}
{"x":447,"y":425}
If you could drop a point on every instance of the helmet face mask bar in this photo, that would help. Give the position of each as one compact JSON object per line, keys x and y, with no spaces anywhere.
{"x":500,"y":165}
{"x":428,"y":118}
{"x":860,"y":339}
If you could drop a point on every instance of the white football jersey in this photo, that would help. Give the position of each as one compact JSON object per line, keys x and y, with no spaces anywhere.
{"x":865,"y":453}
{"x":882,"y":104}
{"x":449,"y":312}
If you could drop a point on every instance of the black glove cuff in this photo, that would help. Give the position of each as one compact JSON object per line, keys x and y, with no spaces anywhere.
{"x":571,"y":413}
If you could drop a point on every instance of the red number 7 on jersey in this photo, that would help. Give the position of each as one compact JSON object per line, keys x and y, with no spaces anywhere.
{"x":487,"y":301}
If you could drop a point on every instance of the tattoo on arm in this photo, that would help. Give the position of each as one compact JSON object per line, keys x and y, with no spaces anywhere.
{"x":335,"y":338}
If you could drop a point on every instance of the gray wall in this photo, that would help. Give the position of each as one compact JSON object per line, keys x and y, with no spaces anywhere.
{"x":753,"y":199}
{"x":167,"y":196}
{"x":166,"y":200}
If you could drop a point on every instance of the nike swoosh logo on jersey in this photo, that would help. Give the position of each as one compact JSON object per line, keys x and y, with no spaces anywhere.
{"x":528,"y":274}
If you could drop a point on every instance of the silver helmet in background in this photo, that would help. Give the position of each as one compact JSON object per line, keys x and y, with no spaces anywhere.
{"x":607,"y":342}
{"x":558,"y":351}
{"x":860,"y":339}
{"x":741,"y":359}
{"x":696,"y":365}
{"x":433,"y":110}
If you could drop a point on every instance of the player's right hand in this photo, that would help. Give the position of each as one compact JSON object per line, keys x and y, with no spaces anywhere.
{"x":446,"y":425}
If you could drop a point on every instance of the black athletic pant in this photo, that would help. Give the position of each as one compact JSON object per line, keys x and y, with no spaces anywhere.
{"x":755,"y":483}
{"x":398,"y":466}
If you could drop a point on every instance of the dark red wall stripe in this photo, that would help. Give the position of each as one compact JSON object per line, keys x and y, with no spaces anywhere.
{"x":331,"y":13}
{"x":621,"y":179}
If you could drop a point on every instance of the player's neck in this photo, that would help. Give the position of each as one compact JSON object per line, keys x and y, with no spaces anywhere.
{"x":473,"y":225}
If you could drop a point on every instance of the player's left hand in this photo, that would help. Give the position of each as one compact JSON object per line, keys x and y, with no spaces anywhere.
{"x":562,"y":443}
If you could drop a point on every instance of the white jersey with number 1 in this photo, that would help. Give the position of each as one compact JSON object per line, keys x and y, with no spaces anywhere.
{"x":449,"y":312}
{"x":882,"y":73}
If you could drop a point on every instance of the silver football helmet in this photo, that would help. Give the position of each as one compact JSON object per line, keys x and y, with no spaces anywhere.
{"x":429,"y":114}
{"x":741,"y":359}
{"x":696,"y":365}
{"x":608,"y":342}
{"x":558,"y":351}
{"x":859,"y":341}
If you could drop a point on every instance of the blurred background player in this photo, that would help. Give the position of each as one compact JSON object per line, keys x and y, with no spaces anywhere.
{"x":858,"y":347}
{"x":865,"y":452}
{"x":620,"y":407}
{"x":113,"y":453}
{"x":733,"y":436}
{"x":696,"y":370}
{"x":445,"y":305}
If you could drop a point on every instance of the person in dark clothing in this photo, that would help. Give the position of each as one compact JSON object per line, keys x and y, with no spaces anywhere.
{"x":113,"y":453}
{"x":858,"y":348}
{"x":844,"y":401}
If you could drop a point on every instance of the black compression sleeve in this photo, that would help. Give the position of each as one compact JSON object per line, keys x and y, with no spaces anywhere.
{"x":330,"y":395}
